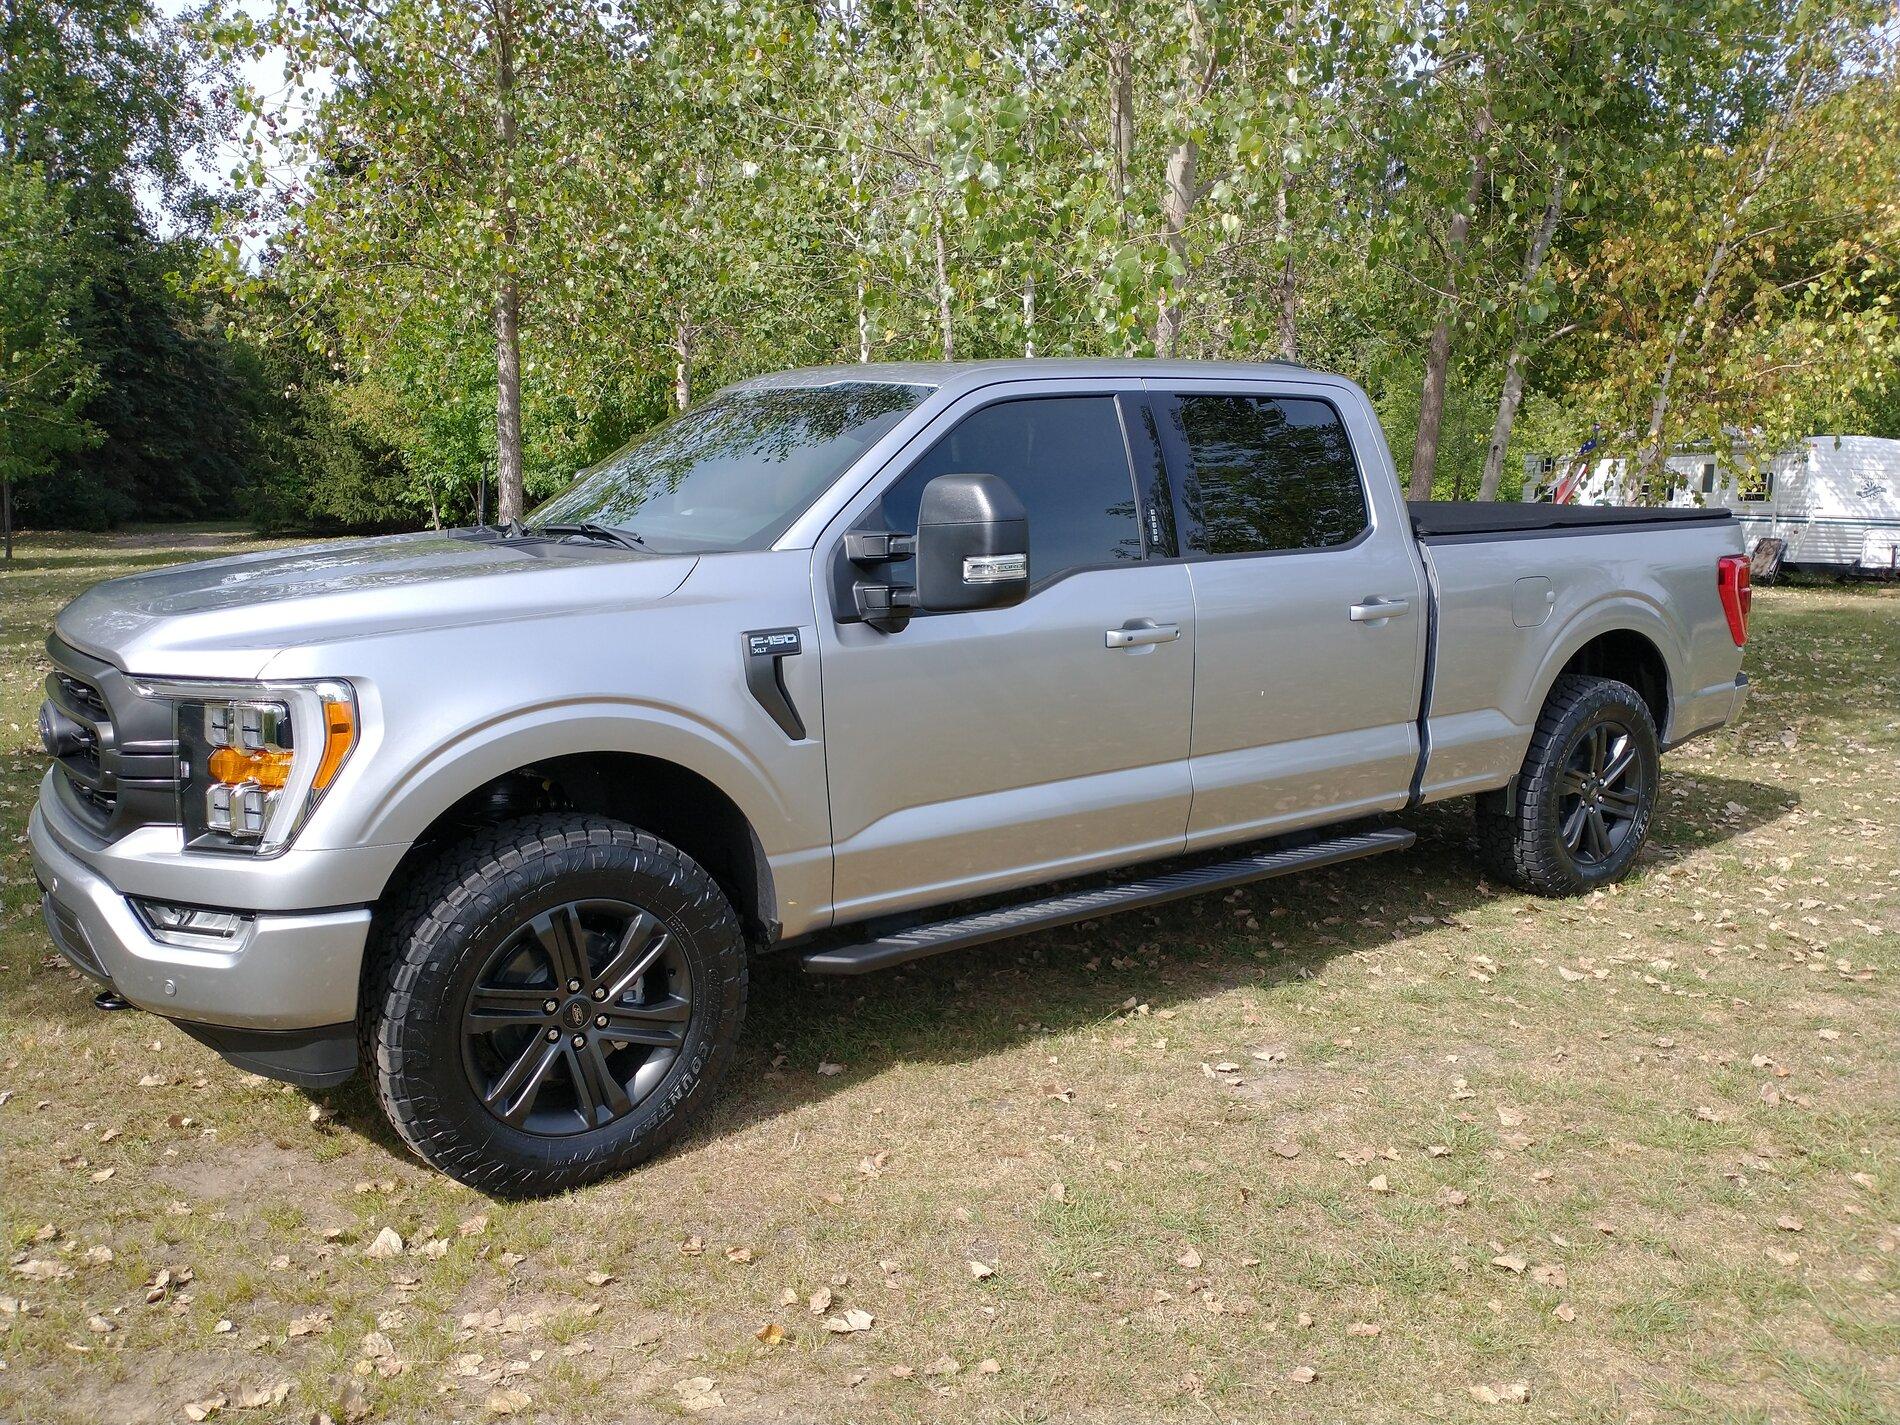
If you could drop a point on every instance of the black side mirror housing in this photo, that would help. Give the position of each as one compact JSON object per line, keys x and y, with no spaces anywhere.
{"x":972,"y":544}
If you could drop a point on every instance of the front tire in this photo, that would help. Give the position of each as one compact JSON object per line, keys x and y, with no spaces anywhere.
{"x":553,"y":999}
{"x":1585,"y":794}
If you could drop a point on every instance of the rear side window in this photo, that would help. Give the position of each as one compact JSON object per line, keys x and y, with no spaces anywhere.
{"x":1262,"y":475}
{"x":1065,"y":459}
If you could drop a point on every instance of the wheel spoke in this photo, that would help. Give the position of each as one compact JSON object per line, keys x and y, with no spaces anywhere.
{"x":1570,"y":783}
{"x":513,"y":1095}
{"x":1573,"y":826}
{"x":661,"y":1025}
{"x":564,"y":942}
{"x":1620,"y":764}
{"x":641,"y":945}
{"x":1599,"y":747}
{"x":595,"y":1085}
{"x":1599,"y":834}
{"x":492,"y":1007}
{"x":1626,"y":802}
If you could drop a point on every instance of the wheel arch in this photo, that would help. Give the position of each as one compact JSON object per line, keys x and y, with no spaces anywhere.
{"x":665,"y":795}
{"x":1627,"y":639}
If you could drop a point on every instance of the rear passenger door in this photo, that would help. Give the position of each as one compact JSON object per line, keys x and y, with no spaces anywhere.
{"x":1309,"y":607}
{"x":975,"y":751}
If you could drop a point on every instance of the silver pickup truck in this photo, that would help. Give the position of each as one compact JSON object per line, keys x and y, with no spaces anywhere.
{"x":847,"y":665}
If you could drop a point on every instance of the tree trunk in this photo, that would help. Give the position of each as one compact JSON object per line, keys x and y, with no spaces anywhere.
{"x":864,"y":327}
{"x":1177,"y":205}
{"x":683,"y":350}
{"x":510,"y":497}
{"x":1513,"y":393}
{"x":1121,"y":123}
{"x":945,"y":295}
{"x":6,"y":513}
{"x":1431,"y":396}
{"x":1029,"y":315}
{"x":1289,"y":289}
{"x":1508,"y":402}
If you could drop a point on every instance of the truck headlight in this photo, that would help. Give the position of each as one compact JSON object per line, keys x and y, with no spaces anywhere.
{"x":255,"y":759}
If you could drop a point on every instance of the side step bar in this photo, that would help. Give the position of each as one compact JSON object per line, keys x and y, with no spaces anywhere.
{"x":901,"y":947}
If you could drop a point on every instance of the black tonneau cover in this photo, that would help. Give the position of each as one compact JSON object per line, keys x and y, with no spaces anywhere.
{"x":1450,"y":519}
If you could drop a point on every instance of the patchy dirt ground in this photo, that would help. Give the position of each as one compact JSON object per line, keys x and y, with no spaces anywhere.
{"x":1385,"y":1143}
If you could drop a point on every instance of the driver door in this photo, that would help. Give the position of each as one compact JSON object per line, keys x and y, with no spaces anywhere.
{"x":972,"y":752}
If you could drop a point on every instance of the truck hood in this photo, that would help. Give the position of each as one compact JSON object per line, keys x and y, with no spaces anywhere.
{"x":227,"y":618}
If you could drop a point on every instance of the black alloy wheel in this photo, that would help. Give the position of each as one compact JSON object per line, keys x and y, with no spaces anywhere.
{"x":1602,"y":793}
{"x":576,"y":1017}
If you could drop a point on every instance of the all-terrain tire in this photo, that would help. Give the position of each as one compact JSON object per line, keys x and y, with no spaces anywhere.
{"x":1526,"y":845}
{"x":452,"y":918}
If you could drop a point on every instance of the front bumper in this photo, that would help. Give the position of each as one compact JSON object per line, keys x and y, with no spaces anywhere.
{"x":282,"y":971}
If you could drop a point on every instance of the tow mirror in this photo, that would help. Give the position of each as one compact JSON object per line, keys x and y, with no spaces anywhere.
{"x":972,"y":544}
{"x":971,"y":551}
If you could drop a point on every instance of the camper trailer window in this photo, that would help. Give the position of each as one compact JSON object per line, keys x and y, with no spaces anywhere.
{"x":1708,"y":477}
{"x":1757,"y":485}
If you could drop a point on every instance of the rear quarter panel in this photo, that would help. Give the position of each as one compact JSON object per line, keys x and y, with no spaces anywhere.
{"x":1491,"y":674}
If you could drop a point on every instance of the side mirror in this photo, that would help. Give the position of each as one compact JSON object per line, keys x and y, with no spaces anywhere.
{"x":972,"y":544}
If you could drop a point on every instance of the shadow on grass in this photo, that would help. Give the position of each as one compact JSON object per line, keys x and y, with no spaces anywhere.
{"x":963,"y":1006}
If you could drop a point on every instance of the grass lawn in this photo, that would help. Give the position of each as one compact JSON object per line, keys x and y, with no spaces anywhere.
{"x":1382,"y":1143}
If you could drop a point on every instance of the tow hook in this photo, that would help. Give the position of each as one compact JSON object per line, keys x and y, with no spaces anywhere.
{"x":111,"y":1000}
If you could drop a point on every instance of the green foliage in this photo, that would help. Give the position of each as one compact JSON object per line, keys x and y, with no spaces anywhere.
{"x":44,"y":377}
{"x":1674,"y":219}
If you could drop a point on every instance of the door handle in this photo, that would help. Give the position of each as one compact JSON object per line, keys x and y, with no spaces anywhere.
{"x":1379,"y":610}
{"x":1137,"y":633}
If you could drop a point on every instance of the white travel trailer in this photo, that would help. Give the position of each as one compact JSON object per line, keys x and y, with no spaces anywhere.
{"x":1834,"y":501}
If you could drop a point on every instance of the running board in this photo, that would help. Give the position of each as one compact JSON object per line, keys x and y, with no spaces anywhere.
{"x":901,"y":947}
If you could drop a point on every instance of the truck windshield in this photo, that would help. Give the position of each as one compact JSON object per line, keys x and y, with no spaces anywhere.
{"x":734,"y":473}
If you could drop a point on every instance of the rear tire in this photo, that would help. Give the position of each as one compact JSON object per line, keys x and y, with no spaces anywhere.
{"x":1584,"y":796}
{"x":553,"y":999}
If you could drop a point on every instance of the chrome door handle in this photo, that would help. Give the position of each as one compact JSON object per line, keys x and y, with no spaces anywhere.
{"x":1139,"y":632}
{"x":1379,"y":610}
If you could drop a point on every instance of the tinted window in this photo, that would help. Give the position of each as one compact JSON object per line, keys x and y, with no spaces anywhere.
{"x":1266,"y":474}
{"x":1063,"y":456}
{"x":736,"y":472}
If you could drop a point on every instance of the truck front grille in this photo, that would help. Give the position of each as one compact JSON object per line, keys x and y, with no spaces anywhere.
{"x":121,"y":769}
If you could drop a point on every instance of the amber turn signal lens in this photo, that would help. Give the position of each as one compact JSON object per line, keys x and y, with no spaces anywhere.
{"x":233,"y":765}
{"x":339,"y":735}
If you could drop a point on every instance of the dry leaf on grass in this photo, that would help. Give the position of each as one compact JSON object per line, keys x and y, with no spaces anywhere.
{"x":854,"y":1320}
{"x":1510,"y":1263}
{"x":387,"y":1243}
{"x":507,"y":1400}
{"x":1302,"y":1375}
{"x":698,"y":1393}
{"x":1190,"y":1259}
{"x":1517,"y":1392}
{"x":981,"y":1270}
{"x":770,"y":1334}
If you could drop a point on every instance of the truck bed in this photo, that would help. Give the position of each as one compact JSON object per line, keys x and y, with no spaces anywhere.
{"x":1491,"y":519}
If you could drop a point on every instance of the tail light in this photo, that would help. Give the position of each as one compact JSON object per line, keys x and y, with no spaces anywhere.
{"x":1738,"y":594}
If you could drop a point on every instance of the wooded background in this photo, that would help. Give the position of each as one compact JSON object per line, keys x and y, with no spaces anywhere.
{"x":429,"y":244}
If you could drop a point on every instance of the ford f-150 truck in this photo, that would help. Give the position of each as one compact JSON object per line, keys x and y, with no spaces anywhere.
{"x":848,"y":665}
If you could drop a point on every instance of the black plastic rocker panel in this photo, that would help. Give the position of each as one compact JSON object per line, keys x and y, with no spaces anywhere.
{"x":901,"y":947}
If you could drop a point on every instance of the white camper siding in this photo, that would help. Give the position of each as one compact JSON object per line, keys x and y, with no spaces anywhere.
{"x":1835,"y":501}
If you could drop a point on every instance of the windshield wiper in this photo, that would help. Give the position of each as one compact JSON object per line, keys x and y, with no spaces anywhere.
{"x":588,"y":529}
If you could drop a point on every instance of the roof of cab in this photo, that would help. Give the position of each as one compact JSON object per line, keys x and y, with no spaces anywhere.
{"x":939,"y":374}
